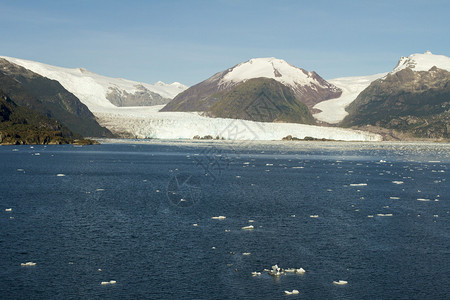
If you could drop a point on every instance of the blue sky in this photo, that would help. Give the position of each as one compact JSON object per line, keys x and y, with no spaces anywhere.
{"x":188,"y":41}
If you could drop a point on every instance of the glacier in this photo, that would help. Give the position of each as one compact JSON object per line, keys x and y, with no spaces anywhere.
{"x":148,"y":122}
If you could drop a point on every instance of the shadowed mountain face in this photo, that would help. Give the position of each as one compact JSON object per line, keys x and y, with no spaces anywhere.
{"x":307,"y":87}
{"x":262,"y":100}
{"x":415,"y":102}
{"x":21,"y":125}
{"x":49,"y":98}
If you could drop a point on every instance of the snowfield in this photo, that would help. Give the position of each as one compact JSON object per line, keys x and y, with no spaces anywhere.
{"x":333,"y":110}
{"x":148,"y":122}
{"x":423,"y":62}
{"x":92,"y":88}
{"x":269,"y":67}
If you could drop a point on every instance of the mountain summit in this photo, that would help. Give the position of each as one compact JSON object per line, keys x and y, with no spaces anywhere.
{"x":307,"y":88}
{"x":423,"y":62}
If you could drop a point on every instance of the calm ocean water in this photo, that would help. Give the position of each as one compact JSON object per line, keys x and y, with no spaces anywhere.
{"x":375,"y":215}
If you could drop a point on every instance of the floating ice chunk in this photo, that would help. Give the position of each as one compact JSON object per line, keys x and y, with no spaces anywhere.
{"x":60,"y":175}
{"x":397,"y":182}
{"x":214,"y":248}
{"x":195,"y":225}
{"x":250,"y":227}
{"x":8,"y":209}
{"x":434,"y":161}
{"x":423,"y":199}
{"x":394,"y":198}
{"x":20,"y":170}
{"x":256,"y":273}
{"x":99,"y":270}
{"x":292,"y":216}
{"x":370,"y":216}
{"x":227,"y":230}
{"x":358,"y":184}
{"x":104,"y":282}
{"x":385,"y":215}
{"x":238,"y":176}
{"x":435,"y":216}
{"x":246,"y":253}
{"x":269,"y":164}
{"x":251,"y":221}
{"x":290,"y":270}
{"x":246,"y":163}
{"x":300,"y":271}
{"x":37,"y":154}
{"x":294,"y":292}
{"x":340,"y":282}
{"x":28,"y":264}
{"x":314,"y":216}
{"x":99,"y":190}
{"x":298,"y":167}
{"x":219,"y":218}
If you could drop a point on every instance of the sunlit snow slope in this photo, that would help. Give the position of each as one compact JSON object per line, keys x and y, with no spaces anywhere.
{"x":91,"y":88}
{"x":333,"y":110}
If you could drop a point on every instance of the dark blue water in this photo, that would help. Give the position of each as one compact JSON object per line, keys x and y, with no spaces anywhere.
{"x":129,"y":210}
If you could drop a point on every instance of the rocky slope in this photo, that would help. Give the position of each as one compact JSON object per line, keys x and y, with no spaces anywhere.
{"x":20,"y":125}
{"x":49,"y":98}
{"x":307,"y":87}
{"x":412,"y":99}
{"x":263,"y":100}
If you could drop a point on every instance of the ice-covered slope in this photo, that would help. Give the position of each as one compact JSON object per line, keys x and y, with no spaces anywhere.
{"x":148,"y":122}
{"x":423,"y":62}
{"x":333,"y":111}
{"x":93,"y":89}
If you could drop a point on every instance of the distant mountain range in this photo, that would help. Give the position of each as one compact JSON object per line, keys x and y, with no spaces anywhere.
{"x":99,"y":92}
{"x":412,"y":101}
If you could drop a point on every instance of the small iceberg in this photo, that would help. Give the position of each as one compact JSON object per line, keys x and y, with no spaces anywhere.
{"x":384,"y":215}
{"x":108,"y":282}
{"x":8,"y":209}
{"x":397,"y":182}
{"x":256,"y":273}
{"x":250,"y":227}
{"x":314,"y":216}
{"x":300,"y":271}
{"x":294,"y":292}
{"x":28,"y":264}
{"x":195,"y":225}
{"x":340,"y":282}
{"x":246,"y":253}
{"x":423,"y":200}
{"x":60,"y":175}
{"x":358,"y":184}
{"x":219,"y":218}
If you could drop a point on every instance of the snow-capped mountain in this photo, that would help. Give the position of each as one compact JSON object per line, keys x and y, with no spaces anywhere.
{"x":423,"y":62}
{"x":97,"y":91}
{"x":308,"y":87}
{"x":333,"y":110}
{"x":413,"y":99}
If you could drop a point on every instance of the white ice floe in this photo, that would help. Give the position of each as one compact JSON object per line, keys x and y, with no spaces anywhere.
{"x":195,"y":225}
{"x":219,"y":218}
{"x":246,"y":253}
{"x":358,"y":184}
{"x":300,"y":271}
{"x":384,"y":215}
{"x":8,"y":209}
{"x":423,"y":199}
{"x":397,"y":182}
{"x":314,"y":216}
{"x":256,"y":273}
{"x":394,"y":198}
{"x":60,"y":175}
{"x":294,"y":292}
{"x":28,"y":264}
{"x":250,"y":227}
{"x":340,"y":282}
{"x":108,"y":282}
